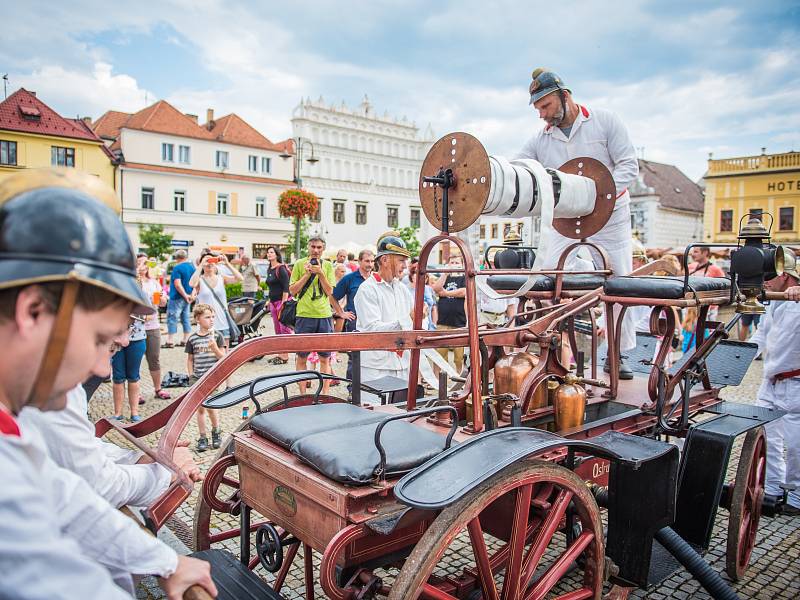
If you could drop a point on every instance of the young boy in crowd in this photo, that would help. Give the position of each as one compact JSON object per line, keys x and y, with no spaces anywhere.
{"x":203,"y":349}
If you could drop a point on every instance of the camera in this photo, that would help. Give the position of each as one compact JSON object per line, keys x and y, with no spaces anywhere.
{"x":213,"y":260}
{"x":314,"y":261}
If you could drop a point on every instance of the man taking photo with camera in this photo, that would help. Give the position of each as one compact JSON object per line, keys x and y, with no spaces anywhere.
{"x":311,"y":285}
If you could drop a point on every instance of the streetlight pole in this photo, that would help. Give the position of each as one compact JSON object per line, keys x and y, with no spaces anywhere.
{"x":299,"y":143}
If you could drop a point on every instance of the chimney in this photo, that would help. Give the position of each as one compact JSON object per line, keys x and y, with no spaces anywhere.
{"x":88,"y":121}
{"x":210,"y":118}
{"x":32,"y":93}
{"x":192,"y":117}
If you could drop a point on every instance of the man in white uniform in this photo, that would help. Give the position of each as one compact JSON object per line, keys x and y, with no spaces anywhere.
{"x":573,"y":131}
{"x":384,"y":303}
{"x":122,"y":477}
{"x":67,"y":287}
{"x":778,"y":337}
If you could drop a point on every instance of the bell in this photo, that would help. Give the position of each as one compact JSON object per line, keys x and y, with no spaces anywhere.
{"x":510,"y":373}
{"x":569,"y":404}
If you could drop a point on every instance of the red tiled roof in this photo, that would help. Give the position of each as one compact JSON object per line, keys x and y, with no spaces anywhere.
{"x":162,"y":117}
{"x":49,"y":122}
{"x":109,"y":124}
{"x":673,"y":188}
{"x":214,"y":174}
{"x":232,"y":129}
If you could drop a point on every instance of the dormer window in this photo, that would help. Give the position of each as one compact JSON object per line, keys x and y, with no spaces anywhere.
{"x":30,"y":113}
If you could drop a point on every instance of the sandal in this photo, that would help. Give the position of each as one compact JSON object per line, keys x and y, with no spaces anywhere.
{"x":278,"y":361}
{"x":162,"y":395}
{"x":168,"y":345}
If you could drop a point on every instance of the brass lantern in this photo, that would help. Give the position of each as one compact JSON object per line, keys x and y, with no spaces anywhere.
{"x":753,"y":262}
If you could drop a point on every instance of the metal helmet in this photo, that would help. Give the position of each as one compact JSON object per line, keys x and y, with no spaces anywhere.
{"x":545,"y":82}
{"x":390,"y":243}
{"x":63,"y":225}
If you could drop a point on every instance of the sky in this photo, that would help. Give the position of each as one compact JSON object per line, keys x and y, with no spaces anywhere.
{"x":687,"y":78}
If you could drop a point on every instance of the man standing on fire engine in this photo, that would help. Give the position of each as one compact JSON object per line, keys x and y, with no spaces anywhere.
{"x":573,"y":130}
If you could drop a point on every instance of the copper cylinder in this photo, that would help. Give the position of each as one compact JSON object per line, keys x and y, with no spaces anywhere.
{"x":510,"y":373}
{"x":569,"y":405}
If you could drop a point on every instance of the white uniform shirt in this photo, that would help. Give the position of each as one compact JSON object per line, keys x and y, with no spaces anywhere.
{"x":384,"y":306}
{"x":778,"y":337}
{"x":493,"y":305}
{"x":55,"y":532}
{"x":110,"y":470}
{"x":596,"y":133}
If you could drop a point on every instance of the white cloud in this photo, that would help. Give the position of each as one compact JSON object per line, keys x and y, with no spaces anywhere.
{"x":85,"y":93}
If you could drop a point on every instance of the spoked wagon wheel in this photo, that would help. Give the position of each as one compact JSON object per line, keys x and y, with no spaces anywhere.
{"x":223,"y":473}
{"x":499,"y":534}
{"x":746,"y":497}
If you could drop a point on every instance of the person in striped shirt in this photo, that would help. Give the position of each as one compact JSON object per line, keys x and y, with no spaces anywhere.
{"x":203,"y":349}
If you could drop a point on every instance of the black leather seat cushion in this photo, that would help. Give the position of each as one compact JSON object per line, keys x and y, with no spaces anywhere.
{"x":545,"y":283}
{"x":668,"y":288}
{"x":350,"y":456}
{"x":286,"y":426}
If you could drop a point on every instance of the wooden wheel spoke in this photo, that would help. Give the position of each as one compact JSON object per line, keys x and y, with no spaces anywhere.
{"x":430,"y":592}
{"x":482,"y":560}
{"x":545,"y":534}
{"x":560,"y":567}
{"x":519,"y":531}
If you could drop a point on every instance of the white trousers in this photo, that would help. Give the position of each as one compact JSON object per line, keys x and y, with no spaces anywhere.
{"x":783,"y":437}
{"x":615,"y":239}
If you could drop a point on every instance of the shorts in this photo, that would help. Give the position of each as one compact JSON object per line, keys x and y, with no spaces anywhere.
{"x":153,"y":349}
{"x":126,"y":362}
{"x":313,"y":325}
{"x":748,"y":320}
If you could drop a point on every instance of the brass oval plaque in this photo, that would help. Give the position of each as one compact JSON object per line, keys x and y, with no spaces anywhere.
{"x":285,"y":501}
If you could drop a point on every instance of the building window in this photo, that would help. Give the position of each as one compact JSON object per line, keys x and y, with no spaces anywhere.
{"x":266,"y":165}
{"x":252,"y":164}
{"x":62,"y":157}
{"x":725,"y":220}
{"x":361,"y":214}
{"x":494,"y":231}
{"x":184,"y":154}
{"x":8,"y":153}
{"x":317,"y":216}
{"x":506,"y":229}
{"x":222,"y":203}
{"x":261,"y":204}
{"x":483,"y":232}
{"x":222,"y":159}
{"x":168,"y":152}
{"x":414,"y":221}
{"x":756,"y":213}
{"x":786,"y":218}
{"x":391,"y":216}
{"x":179,"y":200}
{"x":338,"y":212}
{"x":148,"y":198}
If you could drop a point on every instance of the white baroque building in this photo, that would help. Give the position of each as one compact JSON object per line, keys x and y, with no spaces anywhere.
{"x":367,"y":172}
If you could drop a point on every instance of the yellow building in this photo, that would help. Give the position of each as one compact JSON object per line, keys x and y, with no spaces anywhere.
{"x":33,"y":135}
{"x":768,"y":183}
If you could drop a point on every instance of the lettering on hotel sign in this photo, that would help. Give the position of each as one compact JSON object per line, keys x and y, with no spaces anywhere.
{"x":790,"y":185}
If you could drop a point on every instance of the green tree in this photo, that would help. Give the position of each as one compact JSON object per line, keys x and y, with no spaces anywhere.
{"x":303,"y":245}
{"x":155,"y":241}
{"x":409,"y":236}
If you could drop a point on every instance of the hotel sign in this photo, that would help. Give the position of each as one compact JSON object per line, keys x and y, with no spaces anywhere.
{"x":790,"y":185}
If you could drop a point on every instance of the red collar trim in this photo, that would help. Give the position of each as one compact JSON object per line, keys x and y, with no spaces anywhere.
{"x":8,"y":425}
{"x":584,"y":111}
{"x":548,"y":127}
{"x":377,"y":277}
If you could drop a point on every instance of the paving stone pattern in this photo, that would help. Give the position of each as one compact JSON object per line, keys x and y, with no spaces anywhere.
{"x":774,"y":571}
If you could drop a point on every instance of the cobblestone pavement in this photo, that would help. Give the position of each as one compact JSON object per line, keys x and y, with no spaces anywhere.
{"x":774,"y":571}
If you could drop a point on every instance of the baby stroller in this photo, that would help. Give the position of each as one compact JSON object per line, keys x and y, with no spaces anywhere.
{"x":247,"y":314}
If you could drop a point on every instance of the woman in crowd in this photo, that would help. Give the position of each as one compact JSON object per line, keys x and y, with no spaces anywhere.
{"x":125,"y":365}
{"x":278,"y":281}
{"x":209,"y":288}
{"x":152,"y":327}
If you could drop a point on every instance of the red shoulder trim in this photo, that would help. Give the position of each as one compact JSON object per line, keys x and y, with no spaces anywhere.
{"x":548,"y":127}
{"x":8,"y":425}
{"x":584,"y":110}
{"x":377,"y":277}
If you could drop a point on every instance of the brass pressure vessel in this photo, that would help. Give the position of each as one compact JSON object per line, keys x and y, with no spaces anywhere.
{"x":569,"y":404}
{"x":510,"y":373}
